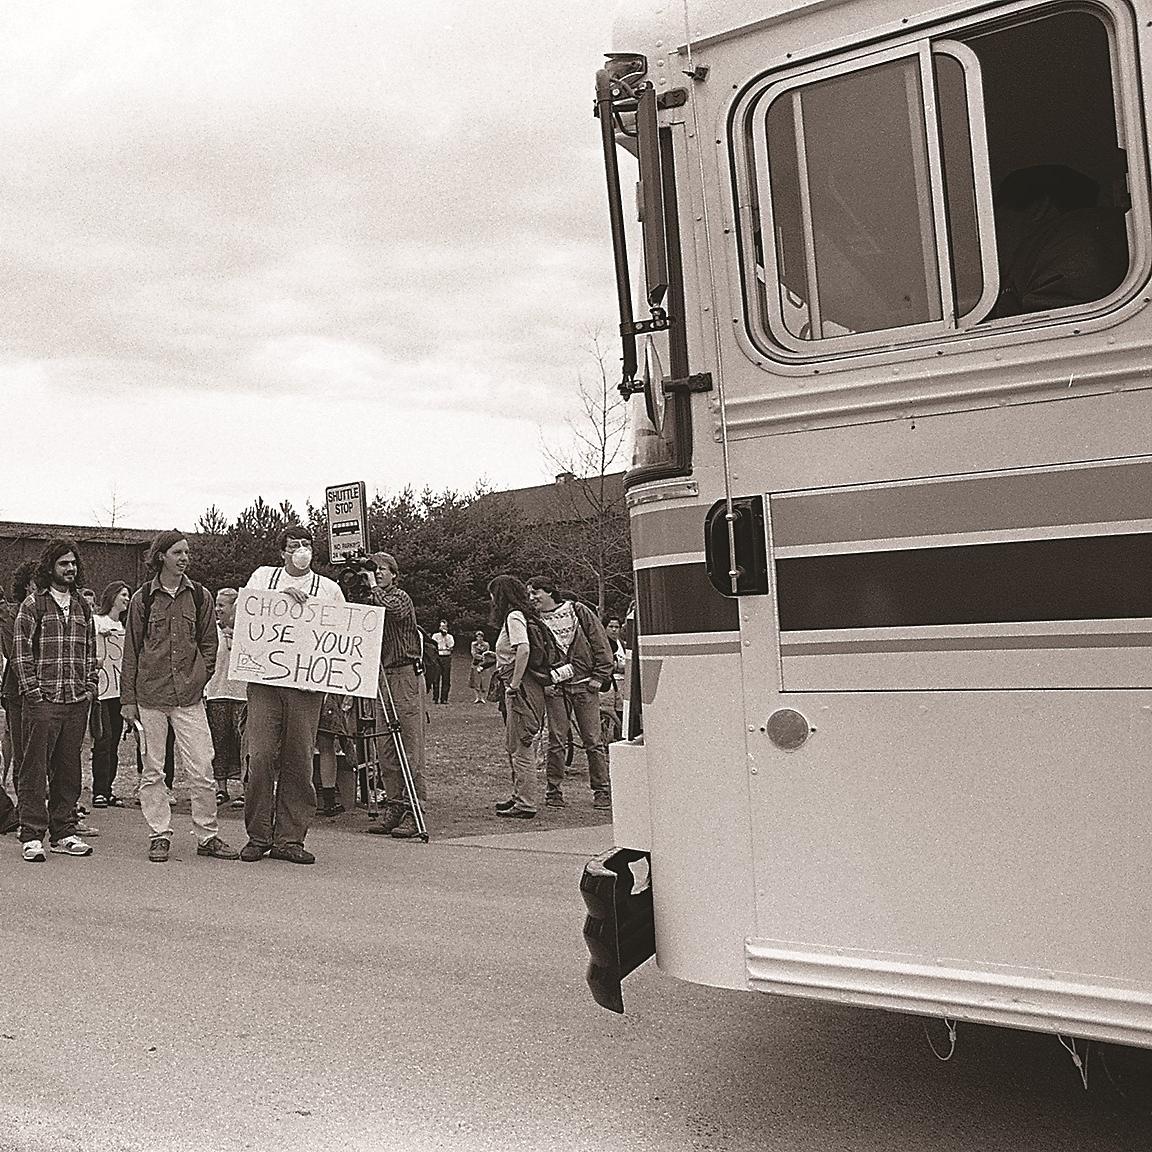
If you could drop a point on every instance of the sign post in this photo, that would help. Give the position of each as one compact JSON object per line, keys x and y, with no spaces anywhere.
{"x":347,"y":520}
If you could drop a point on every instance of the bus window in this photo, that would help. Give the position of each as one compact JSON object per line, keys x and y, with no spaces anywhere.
{"x":1055,"y":160}
{"x":937,"y":186}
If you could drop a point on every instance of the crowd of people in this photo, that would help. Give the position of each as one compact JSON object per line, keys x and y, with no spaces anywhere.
{"x":155,"y":662}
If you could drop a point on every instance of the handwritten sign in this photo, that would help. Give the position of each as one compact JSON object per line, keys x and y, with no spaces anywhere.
{"x":317,"y":646}
{"x":110,"y":656}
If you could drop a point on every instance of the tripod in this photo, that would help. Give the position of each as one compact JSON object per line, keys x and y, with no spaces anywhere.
{"x":371,"y":735}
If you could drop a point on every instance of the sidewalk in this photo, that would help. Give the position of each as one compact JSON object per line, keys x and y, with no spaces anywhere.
{"x":588,"y":841}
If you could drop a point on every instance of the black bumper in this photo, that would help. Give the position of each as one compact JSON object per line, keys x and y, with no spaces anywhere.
{"x":619,"y":928}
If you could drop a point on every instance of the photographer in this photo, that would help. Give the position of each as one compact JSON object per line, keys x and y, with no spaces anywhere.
{"x":372,"y":580}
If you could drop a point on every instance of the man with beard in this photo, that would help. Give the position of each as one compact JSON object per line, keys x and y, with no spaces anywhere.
{"x":54,"y":652}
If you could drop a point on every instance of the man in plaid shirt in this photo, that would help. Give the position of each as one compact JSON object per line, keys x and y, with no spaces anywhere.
{"x":54,"y":652}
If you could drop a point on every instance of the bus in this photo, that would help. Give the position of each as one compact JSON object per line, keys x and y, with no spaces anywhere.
{"x":886,"y":335}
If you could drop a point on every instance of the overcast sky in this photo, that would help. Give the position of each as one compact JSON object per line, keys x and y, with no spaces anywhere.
{"x":258,"y":248}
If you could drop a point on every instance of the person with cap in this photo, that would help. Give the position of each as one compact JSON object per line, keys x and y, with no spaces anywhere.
{"x":400,"y":672}
{"x":279,"y":797}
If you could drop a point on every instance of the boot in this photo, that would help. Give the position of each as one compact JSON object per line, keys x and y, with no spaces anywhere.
{"x":391,"y":815}
{"x":330,"y":806}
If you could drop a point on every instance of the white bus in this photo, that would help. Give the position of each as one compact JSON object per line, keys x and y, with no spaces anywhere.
{"x":891,"y":507}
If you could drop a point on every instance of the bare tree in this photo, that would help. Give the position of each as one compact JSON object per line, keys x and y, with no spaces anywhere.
{"x":113,"y":513}
{"x":586,"y":540}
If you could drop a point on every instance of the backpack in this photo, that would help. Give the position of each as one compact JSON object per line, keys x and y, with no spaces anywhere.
{"x":148,"y":594}
{"x":543,"y":652}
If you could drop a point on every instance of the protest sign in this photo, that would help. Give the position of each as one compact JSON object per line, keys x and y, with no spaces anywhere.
{"x":110,"y":657}
{"x":317,"y":646}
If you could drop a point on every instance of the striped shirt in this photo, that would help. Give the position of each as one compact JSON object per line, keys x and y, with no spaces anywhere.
{"x":400,"y":640}
{"x":54,"y":654}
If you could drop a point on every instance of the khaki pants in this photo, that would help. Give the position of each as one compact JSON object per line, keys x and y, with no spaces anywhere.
{"x":410,"y":697}
{"x":193,"y":753}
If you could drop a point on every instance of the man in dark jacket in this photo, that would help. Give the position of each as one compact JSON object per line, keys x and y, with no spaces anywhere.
{"x":169,"y":656}
{"x":575,"y":696}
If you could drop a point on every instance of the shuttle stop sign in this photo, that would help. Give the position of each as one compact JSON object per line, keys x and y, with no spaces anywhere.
{"x":347,"y":520}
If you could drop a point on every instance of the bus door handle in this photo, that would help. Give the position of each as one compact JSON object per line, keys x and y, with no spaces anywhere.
{"x":751,"y":546}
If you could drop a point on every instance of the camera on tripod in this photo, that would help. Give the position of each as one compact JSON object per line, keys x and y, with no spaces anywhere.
{"x":357,"y":578}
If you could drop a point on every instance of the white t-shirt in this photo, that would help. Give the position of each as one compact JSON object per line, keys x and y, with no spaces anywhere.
{"x":514,"y":632}
{"x":311,"y":582}
{"x":445,"y":642}
{"x":64,"y":599}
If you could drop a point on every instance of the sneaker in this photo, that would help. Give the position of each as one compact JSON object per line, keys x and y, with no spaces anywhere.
{"x":406,"y":828}
{"x":99,"y":801}
{"x":251,"y":852}
{"x":221,"y":797}
{"x":115,"y":802}
{"x":504,"y":805}
{"x":602,"y":799}
{"x":33,"y":851}
{"x":293,"y":853}
{"x":83,"y":828}
{"x":518,"y":813}
{"x":237,"y":803}
{"x":217,"y":848}
{"x":71,"y":846}
{"x":554,"y":798}
{"x":158,"y":849}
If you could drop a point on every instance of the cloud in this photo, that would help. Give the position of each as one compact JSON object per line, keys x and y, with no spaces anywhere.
{"x":362,"y":208}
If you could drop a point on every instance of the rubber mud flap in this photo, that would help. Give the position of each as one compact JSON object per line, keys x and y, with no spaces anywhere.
{"x":619,"y":928}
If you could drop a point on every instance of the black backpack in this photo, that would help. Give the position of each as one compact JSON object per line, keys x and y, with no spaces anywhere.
{"x":543,"y":652}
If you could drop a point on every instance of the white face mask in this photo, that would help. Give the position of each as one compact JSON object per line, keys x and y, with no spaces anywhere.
{"x":302,"y":558}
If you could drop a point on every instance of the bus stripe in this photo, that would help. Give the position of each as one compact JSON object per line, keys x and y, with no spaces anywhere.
{"x":996,"y":502}
{"x":679,"y":598}
{"x":1078,"y":578}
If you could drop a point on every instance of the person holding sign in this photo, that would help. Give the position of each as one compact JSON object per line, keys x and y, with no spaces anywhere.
{"x":169,"y":657}
{"x":279,"y":799}
{"x":107,"y":724}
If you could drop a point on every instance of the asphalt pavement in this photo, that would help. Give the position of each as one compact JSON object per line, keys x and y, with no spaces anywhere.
{"x":400,"y":995}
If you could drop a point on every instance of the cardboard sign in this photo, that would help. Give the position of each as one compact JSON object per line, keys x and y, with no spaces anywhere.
{"x":317,"y":646}
{"x":347,"y":520}
{"x":110,"y":654}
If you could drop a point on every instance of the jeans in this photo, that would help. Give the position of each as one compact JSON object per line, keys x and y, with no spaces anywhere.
{"x":226,"y":720}
{"x":445,"y":685}
{"x":193,"y":744}
{"x":523,"y":716}
{"x":584,"y":702}
{"x":14,"y":726}
{"x":408,"y":694}
{"x":49,"y":786}
{"x":279,"y":799}
{"x":106,"y":745}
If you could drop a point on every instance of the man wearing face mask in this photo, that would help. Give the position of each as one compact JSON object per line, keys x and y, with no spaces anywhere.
{"x":279,"y":799}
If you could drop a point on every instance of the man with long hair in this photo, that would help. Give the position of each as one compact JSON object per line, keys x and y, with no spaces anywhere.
{"x":169,"y":656}
{"x":54,"y":651}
